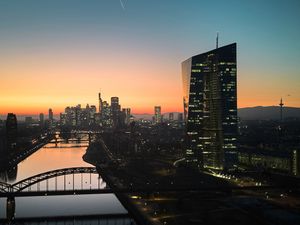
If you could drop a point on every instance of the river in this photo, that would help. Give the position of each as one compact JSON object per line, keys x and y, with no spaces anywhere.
{"x":50,"y":158}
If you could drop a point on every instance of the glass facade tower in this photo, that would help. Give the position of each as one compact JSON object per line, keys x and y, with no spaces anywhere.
{"x":210,"y":108}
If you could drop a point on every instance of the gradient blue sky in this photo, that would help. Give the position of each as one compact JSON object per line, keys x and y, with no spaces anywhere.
{"x":62,"y":52}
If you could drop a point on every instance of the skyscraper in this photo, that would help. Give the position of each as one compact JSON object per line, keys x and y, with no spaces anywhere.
{"x":50,"y":118}
{"x":41,"y":120}
{"x":115,"y":110}
{"x":3,"y":151}
{"x":157,"y":114}
{"x":11,"y":130}
{"x":106,"y":115}
{"x":100,"y":103}
{"x":50,"y":114}
{"x":127,"y":115}
{"x":210,"y":108}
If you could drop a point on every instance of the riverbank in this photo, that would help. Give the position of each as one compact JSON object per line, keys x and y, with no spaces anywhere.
{"x":15,"y":159}
{"x":151,"y":174}
{"x":97,"y":156}
{"x":214,"y":205}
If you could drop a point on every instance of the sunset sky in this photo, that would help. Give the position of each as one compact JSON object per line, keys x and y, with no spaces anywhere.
{"x":59,"y":53}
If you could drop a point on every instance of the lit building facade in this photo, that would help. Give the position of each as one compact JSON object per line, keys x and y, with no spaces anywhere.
{"x":157,"y":114}
{"x":210,"y":108}
{"x":115,"y":111}
{"x":106,"y":115}
{"x":127,"y":115}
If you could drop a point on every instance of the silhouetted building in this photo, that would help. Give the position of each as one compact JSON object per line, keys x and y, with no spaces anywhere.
{"x":41,"y":120}
{"x":127,"y":115}
{"x":93,"y":111}
{"x":11,"y":131}
{"x":210,"y":108}
{"x":63,"y":119}
{"x":100,"y":103}
{"x":3,"y":151}
{"x":115,"y":110}
{"x":180,"y":117}
{"x":97,"y":119}
{"x":157,"y":114}
{"x":50,"y":115}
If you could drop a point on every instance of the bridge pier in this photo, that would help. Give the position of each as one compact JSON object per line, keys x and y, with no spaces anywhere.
{"x":89,"y":138}
{"x":10,"y":208}
{"x":56,"y":141}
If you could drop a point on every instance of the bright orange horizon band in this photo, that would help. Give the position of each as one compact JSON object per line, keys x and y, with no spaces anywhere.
{"x":31,"y":84}
{"x":146,"y":110}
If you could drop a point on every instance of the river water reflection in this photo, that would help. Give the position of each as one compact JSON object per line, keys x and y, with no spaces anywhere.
{"x":50,"y":158}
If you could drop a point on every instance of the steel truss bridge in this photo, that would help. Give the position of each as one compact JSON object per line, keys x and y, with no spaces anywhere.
{"x":24,"y":187}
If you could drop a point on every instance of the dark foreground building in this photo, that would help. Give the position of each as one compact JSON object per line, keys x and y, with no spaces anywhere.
{"x":11,"y":131}
{"x":210,"y":108}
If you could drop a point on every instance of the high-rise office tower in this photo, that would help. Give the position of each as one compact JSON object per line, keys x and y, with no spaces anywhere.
{"x":3,"y":151}
{"x":115,"y":110}
{"x":41,"y":120}
{"x":50,"y":114}
{"x":93,"y":111}
{"x":157,"y":114}
{"x":127,"y":115}
{"x":100,"y":103}
{"x":106,"y":115}
{"x":63,"y":119}
{"x":210,"y":108}
{"x":50,"y":118}
{"x":11,"y":131}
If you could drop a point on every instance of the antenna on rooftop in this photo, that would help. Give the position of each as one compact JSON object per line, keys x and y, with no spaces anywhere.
{"x":217,"y":40}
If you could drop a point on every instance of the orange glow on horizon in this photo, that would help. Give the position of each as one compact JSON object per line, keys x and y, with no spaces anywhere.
{"x":33,"y":83}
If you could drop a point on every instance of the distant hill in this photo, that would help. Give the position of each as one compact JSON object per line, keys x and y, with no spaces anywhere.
{"x":267,"y":113}
{"x":144,"y":116}
{"x":148,"y":116}
{"x":249,"y":113}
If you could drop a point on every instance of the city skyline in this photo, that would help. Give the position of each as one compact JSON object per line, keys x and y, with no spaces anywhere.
{"x":149,"y":112}
{"x":54,"y":55}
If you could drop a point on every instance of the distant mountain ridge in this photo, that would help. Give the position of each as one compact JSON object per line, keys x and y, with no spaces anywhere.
{"x":248,"y":113}
{"x":267,"y":113}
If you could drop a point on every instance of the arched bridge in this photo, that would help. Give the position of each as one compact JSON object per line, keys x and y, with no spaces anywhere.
{"x":43,"y":185}
{"x":23,"y":184}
